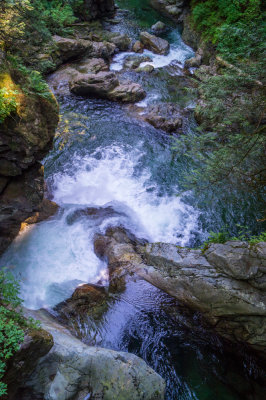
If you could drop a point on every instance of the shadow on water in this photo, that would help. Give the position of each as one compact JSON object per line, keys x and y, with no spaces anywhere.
{"x":195,"y":363}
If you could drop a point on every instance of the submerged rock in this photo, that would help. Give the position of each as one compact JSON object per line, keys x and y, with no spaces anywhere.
{"x":147,"y":68}
{"x":227,"y":283}
{"x":88,"y":300}
{"x":73,"y":370}
{"x":134,"y":61}
{"x":154,"y":43}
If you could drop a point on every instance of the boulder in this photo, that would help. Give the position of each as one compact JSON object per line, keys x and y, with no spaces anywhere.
{"x":121,"y":41}
{"x":59,"y":80}
{"x":102,"y":50}
{"x":154,"y":43}
{"x":226,"y":283}
{"x":95,"y":85}
{"x":166,"y":116}
{"x":134,"y":61}
{"x":196,"y":61}
{"x":147,"y":68}
{"x":36,"y":344}
{"x":73,"y":370}
{"x":138,"y":47}
{"x":105,"y":85}
{"x":127,"y":93}
{"x":68,"y":48}
{"x":158,"y":28}
{"x":92,"y":65}
{"x":46,"y":209}
{"x":88,"y":300}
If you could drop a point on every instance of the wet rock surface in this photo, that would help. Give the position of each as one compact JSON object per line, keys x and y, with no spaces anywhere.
{"x":107,"y":86}
{"x":226,"y":283}
{"x":165,"y":116}
{"x":154,"y":43}
{"x":158,"y":28}
{"x":37,"y":343}
{"x":25,"y":137}
{"x":73,"y":370}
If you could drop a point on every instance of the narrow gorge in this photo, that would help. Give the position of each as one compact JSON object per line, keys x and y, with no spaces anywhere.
{"x":143,"y":285}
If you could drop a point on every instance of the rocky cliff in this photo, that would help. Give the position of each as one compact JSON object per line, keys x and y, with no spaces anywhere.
{"x":53,"y":364}
{"x":25,"y":137}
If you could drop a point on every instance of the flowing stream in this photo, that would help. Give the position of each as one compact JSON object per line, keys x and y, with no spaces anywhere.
{"x":104,"y":156}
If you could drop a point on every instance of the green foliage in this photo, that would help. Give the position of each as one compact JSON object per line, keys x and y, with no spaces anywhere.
{"x":210,"y":15}
{"x":58,"y":14}
{"x":11,"y":321}
{"x":8,"y":103}
{"x":229,"y":147}
{"x":243,"y":235}
{"x":32,"y":81}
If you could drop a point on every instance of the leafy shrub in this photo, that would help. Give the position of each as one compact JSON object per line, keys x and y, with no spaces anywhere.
{"x":11,"y":321}
{"x":31,"y":81}
{"x":58,"y":15}
{"x":243,"y":235}
{"x":8,"y":103}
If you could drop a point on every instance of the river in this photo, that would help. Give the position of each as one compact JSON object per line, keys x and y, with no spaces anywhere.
{"x":104,"y":156}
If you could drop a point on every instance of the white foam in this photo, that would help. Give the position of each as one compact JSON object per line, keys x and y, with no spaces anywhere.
{"x":178,"y":53}
{"x":112,"y":180}
{"x":53,"y":257}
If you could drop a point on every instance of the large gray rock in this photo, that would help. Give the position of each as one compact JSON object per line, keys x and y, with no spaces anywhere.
{"x":59,"y":80}
{"x":105,"y":85}
{"x":134,"y":61}
{"x":102,"y":50}
{"x":96,"y":85}
{"x":68,"y":48}
{"x":226,"y":283}
{"x":165,"y":116}
{"x":73,"y":370}
{"x":127,"y":93}
{"x":154,"y":43}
